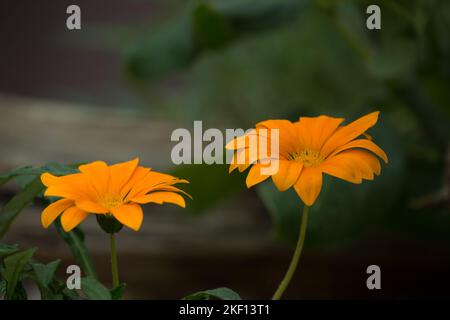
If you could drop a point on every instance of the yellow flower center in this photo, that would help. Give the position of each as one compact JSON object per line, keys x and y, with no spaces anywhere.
{"x":110,"y":201}
{"x":309,"y":158}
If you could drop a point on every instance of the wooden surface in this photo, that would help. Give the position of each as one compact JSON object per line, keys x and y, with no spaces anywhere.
{"x":36,"y":131}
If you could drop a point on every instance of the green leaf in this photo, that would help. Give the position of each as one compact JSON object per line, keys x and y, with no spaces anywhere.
{"x":14,"y":206}
{"x":59,"y":291}
{"x":7,"y":249}
{"x":214,"y":294}
{"x":117,"y":292}
{"x":207,"y":194}
{"x":75,"y":240}
{"x":45,"y":272}
{"x":211,"y":29}
{"x":94,"y":290}
{"x":19,"y":292}
{"x":3,"y":285}
{"x":60,"y":169}
{"x":30,"y":181}
{"x":14,"y":264}
{"x":57,"y":169}
{"x":16,"y":172}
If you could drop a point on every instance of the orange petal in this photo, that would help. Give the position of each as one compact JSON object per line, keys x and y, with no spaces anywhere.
{"x":309,"y":184}
{"x":233,"y":164}
{"x":150,"y":181}
{"x":54,"y":210}
{"x":69,"y":186}
{"x":243,"y":141}
{"x":97,"y":174}
{"x":138,"y":175}
{"x":72,"y":217}
{"x":342,"y":166}
{"x":247,"y":156}
{"x":370,"y":159}
{"x":288,"y":137}
{"x":349,"y":132}
{"x":287,"y":175}
{"x":367,"y":163}
{"x":160,"y":198}
{"x":48,"y":179}
{"x":364,"y":144}
{"x":314,"y":131}
{"x":120,"y":173}
{"x":65,"y":191}
{"x":254,"y":175}
{"x":90,"y":206}
{"x":173,"y":189}
{"x":363,"y":166}
{"x":130,"y":215}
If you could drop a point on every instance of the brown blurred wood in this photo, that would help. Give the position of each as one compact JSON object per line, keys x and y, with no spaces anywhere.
{"x":36,"y":131}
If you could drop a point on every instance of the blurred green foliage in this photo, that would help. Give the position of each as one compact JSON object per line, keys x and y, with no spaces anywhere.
{"x":242,"y":61}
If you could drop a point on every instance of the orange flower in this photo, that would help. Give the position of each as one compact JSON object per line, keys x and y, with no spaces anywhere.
{"x":308,"y":148}
{"x":116,"y":190}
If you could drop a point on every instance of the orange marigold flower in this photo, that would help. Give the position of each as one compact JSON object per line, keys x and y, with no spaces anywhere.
{"x":310,"y":147}
{"x":116,"y":190}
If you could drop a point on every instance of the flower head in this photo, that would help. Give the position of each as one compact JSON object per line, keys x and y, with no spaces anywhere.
{"x":117,"y":190}
{"x":307,"y":149}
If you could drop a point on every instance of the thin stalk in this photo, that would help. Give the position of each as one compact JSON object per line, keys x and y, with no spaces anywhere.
{"x":295,"y":258}
{"x":114,"y":266}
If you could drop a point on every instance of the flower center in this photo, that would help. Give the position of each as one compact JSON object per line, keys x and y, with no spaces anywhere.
{"x":309,"y":158}
{"x":110,"y":201}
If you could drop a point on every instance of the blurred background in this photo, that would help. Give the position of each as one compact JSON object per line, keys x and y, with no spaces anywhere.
{"x":139,"y":69}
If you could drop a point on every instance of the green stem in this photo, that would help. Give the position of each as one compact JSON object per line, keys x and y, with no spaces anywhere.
{"x":114,"y":267}
{"x":295,"y":258}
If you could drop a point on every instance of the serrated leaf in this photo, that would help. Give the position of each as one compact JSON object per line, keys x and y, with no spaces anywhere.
{"x":94,"y":290}
{"x":14,"y":264}
{"x":214,"y":294}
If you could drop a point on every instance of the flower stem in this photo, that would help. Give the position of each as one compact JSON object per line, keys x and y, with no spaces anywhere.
{"x":295,"y":258}
{"x":114,"y":267}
